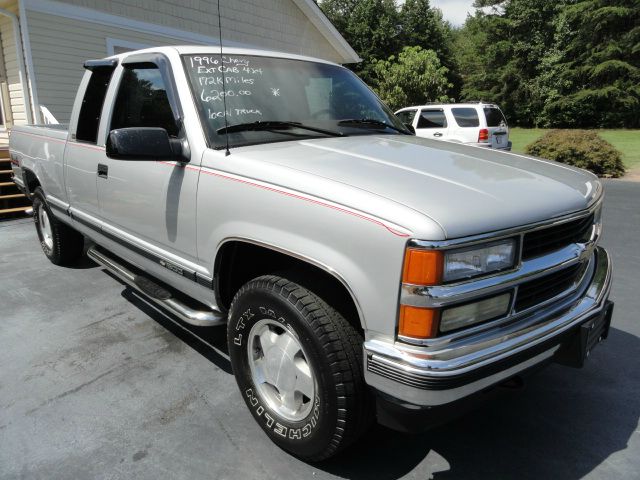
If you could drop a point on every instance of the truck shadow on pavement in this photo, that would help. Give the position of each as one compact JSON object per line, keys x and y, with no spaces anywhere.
{"x":563,"y":424}
{"x":83,"y":263}
{"x":210,"y":342}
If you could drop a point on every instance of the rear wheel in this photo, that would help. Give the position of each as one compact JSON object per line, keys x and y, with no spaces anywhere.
{"x":60,"y":243}
{"x":298,"y":364}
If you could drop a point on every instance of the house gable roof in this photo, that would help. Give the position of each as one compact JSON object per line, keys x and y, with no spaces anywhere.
{"x":324,"y":25}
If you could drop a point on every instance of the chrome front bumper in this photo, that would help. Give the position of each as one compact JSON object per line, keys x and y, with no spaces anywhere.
{"x":424,"y":377}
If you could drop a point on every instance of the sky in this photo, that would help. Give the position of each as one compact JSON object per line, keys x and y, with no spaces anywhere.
{"x":455,"y":11}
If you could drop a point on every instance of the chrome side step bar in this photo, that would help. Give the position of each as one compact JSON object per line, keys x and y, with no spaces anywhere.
{"x":157,"y":294}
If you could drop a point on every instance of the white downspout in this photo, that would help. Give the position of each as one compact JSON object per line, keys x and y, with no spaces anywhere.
{"x":22,"y":74}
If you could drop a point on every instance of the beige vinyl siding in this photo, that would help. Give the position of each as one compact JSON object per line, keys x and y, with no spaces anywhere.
{"x":275,"y":24}
{"x":59,"y":46}
{"x":11,"y":65}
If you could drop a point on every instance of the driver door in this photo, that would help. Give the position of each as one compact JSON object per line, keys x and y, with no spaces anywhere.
{"x":149,"y":206}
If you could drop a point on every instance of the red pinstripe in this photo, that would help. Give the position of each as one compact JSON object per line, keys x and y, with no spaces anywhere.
{"x":59,"y":140}
{"x":293,"y":195}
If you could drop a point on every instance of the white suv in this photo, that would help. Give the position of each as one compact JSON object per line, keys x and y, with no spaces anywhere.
{"x":479,"y":124}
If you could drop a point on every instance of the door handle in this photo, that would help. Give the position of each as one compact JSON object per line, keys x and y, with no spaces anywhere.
{"x":103,"y":170}
{"x":437,"y":134}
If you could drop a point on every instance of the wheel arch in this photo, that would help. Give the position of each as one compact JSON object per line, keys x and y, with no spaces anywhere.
{"x":239,"y":260}
{"x":31,"y":181}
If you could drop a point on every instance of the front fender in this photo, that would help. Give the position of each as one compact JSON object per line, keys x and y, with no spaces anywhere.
{"x":363,"y":251}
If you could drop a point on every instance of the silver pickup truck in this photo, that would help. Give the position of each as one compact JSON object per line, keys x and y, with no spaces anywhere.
{"x":360,"y":272}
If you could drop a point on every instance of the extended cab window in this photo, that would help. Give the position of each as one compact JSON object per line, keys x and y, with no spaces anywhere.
{"x":89,"y":117}
{"x":142,"y":100}
{"x":466,"y":117}
{"x":432,"y":119}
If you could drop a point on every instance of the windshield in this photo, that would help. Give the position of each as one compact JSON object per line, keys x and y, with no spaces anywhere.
{"x":324,"y":100}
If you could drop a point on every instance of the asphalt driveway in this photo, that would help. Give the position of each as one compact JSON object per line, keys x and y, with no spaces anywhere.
{"x":94,"y":383}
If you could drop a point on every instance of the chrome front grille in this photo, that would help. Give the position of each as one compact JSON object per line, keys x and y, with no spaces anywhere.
{"x":535,"y":292}
{"x":545,"y":240}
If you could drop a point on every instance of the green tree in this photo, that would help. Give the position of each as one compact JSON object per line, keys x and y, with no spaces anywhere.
{"x":423,"y":26}
{"x":596,"y":66}
{"x":379,"y":29}
{"x":500,"y":50}
{"x":416,"y":76}
{"x":469,"y":45}
{"x":567,"y":63}
{"x":370,"y":26}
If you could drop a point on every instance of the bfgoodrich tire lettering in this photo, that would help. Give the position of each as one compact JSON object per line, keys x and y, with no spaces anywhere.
{"x":60,"y":243}
{"x":341,"y":409}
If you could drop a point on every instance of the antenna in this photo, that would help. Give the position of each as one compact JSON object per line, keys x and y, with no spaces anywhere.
{"x":224,"y":84}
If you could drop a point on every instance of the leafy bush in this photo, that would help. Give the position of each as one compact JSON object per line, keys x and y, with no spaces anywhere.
{"x":580,"y":148}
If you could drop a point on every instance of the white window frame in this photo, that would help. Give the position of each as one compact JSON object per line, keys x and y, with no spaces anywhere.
{"x":112,"y":43}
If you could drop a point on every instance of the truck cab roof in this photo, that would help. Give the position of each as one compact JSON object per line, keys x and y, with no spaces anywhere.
{"x":208,"y":49}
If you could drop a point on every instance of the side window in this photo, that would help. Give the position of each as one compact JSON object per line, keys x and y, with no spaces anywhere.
{"x":91,"y":109}
{"x":406,"y":116}
{"x":142,"y":100}
{"x":466,"y":117}
{"x":432,"y":119}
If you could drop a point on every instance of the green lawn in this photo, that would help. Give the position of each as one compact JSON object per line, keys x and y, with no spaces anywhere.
{"x":627,"y":141}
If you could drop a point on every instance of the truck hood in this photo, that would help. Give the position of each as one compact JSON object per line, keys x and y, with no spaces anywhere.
{"x":466,"y":190}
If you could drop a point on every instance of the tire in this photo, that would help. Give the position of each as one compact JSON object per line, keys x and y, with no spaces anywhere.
{"x":60,"y":243}
{"x":331,"y":406}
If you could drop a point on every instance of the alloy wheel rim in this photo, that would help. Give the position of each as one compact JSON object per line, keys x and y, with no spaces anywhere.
{"x":280,"y":370}
{"x":45,"y":227}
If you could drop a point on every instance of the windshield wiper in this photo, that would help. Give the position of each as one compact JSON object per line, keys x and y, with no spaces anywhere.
{"x":275,"y":125}
{"x":372,"y":122}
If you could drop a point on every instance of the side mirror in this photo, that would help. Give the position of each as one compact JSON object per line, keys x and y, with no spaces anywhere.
{"x":145,"y":143}
{"x":410,"y":128}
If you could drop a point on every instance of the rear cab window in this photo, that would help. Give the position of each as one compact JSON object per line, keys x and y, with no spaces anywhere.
{"x":92,"y":103}
{"x":432,"y":118}
{"x":466,"y":116}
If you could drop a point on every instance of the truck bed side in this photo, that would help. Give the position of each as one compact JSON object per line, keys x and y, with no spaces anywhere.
{"x":38,"y":152}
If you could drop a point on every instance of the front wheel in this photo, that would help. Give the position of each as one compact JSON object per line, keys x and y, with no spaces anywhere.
{"x":298,"y":364}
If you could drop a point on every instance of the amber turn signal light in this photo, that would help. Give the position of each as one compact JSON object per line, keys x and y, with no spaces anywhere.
{"x":422,"y":267}
{"x":418,"y":322}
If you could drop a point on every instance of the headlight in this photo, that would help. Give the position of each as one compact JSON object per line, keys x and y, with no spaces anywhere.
{"x":476,"y":312}
{"x":425,"y":267}
{"x":479,"y":260}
